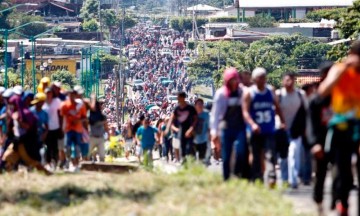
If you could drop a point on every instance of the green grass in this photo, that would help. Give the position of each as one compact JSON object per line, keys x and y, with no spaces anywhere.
{"x":189,"y":192}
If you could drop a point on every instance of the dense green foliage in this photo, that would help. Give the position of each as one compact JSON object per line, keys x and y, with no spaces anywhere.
{"x":350,"y":21}
{"x":223,"y":19}
{"x":317,"y":15}
{"x":338,"y":52}
{"x":90,"y":25}
{"x":110,"y":19}
{"x":309,"y":55}
{"x":67,"y":78}
{"x":89,"y":9}
{"x":277,"y":54}
{"x":259,"y":21}
{"x":4,"y":15}
{"x":185,"y":23}
{"x":17,"y":19}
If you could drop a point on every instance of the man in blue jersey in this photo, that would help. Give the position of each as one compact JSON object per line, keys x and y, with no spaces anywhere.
{"x":259,"y":108}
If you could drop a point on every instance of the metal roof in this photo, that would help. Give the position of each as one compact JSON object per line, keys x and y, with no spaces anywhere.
{"x":202,"y":7}
{"x":294,"y":3}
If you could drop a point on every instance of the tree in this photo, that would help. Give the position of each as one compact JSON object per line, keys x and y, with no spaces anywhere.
{"x":67,"y":78}
{"x":109,"y":18}
{"x":259,"y":21}
{"x":277,"y":54}
{"x":89,"y":9}
{"x":90,"y":25}
{"x":17,"y":19}
{"x":350,"y":21}
{"x":335,"y":13}
{"x":338,"y":52}
{"x":182,"y":24}
{"x":4,"y":15}
{"x":310,"y":55}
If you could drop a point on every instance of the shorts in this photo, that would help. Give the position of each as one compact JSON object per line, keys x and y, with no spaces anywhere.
{"x":84,"y":149}
{"x":138,"y":151}
{"x":128,"y":144}
{"x":61,"y":144}
{"x":176,"y":143}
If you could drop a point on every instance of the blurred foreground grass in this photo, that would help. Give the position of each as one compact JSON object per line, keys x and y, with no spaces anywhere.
{"x":190,"y":192}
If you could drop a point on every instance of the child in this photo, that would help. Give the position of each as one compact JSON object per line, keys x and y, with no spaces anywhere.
{"x":147,"y":135}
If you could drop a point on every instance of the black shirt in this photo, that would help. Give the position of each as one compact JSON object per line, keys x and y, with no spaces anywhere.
{"x":185,"y":117}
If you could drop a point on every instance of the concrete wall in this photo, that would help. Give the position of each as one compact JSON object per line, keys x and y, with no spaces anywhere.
{"x":308,"y":32}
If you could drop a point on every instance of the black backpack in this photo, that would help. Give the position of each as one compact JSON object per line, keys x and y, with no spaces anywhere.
{"x":298,"y":126}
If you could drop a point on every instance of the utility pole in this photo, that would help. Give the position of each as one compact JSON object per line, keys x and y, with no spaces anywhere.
{"x":122,"y":67}
{"x":101,"y":29}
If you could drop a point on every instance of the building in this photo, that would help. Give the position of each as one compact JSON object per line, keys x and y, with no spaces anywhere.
{"x":241,"y":31}
{"x":282,"y":9}
{"x":202,"y":9}
{"x":64,"y":54}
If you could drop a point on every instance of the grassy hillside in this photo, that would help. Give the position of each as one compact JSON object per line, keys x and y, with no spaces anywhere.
{"x":191,"y":192}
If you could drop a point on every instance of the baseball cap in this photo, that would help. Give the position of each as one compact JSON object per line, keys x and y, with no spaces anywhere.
{"x":258,"y":72}
{"x":45,"y":80}
{"x":57,"y":84}
{"x":2,"y":89}
{"x":79,"y":90}
{"x":27,"y":94}
{"x":8,"y":93}
{"x":39,"y":97}
{"x":18,"y":90}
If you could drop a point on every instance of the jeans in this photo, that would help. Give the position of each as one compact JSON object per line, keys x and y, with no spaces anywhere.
{"x":168,"y":149}
{"x":284,"y":169}
{"x":231,"y":138}
{"x":294,"y":161}
{"x":263,"y":148}
{"x":201,"y":149}
{"x":306,"y":165}
{"x":73,"y":140}
{"x":187,"y":147}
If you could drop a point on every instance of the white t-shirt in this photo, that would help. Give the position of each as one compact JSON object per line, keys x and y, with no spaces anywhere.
{"x":52,"y":109}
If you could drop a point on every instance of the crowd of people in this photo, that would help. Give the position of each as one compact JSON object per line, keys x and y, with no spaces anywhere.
{"x":51,"y":129}
{"x":266,"y":129}
{"x":250,"y":123}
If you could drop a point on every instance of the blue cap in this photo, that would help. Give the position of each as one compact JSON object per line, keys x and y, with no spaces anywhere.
{"x":27,"y":94}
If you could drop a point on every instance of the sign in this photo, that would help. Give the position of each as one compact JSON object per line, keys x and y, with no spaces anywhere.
{"x":56,"y":65}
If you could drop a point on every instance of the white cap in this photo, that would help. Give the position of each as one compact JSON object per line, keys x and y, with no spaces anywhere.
{"x":257,"y":72}
{"x":57,"y":84}
{"x":79,"y":89}
{"x":8,"y":93}
{"x":2,"y":89}
{"x":18,"y":90}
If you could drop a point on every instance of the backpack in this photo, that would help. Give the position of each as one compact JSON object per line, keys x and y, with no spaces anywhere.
{"x":298,"y":126}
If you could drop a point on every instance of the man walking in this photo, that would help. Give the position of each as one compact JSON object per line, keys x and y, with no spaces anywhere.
{"x":185,"y":115}
{"x":258,"y":108}
{"x":291,"y":100}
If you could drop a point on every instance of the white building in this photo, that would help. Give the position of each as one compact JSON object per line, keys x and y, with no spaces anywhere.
{"x":282,"y":9}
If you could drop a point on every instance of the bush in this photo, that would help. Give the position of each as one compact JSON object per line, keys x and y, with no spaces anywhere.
{"x":259,"y":21}
{"x":191,"y":45}
{"x":67,"y":78}
{"x":185,"y":24}
{"x":335,"y":14}
{"x":223,"y":19}
{"x":90,"y":26}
